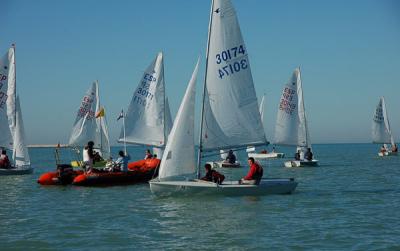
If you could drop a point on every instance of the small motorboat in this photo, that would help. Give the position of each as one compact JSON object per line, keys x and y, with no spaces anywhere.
{"x":64,"y":175}
{"x":224,"y":164}
{"x":301,"y":163}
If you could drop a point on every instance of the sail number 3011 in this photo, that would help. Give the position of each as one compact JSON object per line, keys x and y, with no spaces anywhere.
{"x":231,"y":67}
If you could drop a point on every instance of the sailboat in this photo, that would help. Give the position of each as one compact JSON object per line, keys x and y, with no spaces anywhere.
{"x":291,"y":123}
{"x":381,"y":133}
{"x":12,"y":134}
{"x":148,"y":119}
{"x":251,"y":151}
{"x":229,"y":117}
{"x":89,"y":128}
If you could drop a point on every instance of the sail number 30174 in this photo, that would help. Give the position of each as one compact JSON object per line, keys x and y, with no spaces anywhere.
{"x":231,"y":67}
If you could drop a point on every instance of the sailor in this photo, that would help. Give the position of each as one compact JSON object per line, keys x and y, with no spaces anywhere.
{"x":297,"y":155}
{"x":308,"y":155}
{"x":122,"y":161}
{"x":212,"y":175}
{"x":254,"y":175}
{"x":4,"y":160}
{"x":383,"y":149}
{"x":231,"y":158}
{"x":148,"y":154}
{"x":394,"y":148}
{"x":88,"y":157}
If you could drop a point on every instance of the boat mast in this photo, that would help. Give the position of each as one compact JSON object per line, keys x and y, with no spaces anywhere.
{"x":15,"y":104}
{"x":204,"y":94}
{"x":101,"y":126}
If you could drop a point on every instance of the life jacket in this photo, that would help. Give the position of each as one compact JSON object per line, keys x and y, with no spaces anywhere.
{"x":259,"y":173}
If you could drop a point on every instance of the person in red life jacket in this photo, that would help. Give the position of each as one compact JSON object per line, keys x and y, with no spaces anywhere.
{"x":212,"y":175}
{"x":4,"y":160}
{"x":254,"y":175}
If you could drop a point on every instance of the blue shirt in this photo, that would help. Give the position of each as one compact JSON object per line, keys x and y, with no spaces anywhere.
{"x":123,"y":162}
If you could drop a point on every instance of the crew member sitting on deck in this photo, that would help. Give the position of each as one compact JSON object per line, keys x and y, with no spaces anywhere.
{"x":308,"y":155}
{"x":231,"y":158}
{"x":148,"y":154}
{"x":264,"y":151}
{"x":383,"y":149}
{"x":297,"y":155}
{"x":254,"y":175}
{"x":212,"y":175}
{"x":394,"y":148}
{"x":122,"y":161}
{"x":4,"y":160}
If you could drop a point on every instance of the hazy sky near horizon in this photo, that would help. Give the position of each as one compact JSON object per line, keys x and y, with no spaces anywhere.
{"x":348,"y":52}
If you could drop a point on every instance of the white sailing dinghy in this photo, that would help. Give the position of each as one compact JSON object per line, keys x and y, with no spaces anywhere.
{"x":251,"y":151}
{"x":12,"y":134}
{"x":148,"y":119}
{"x":381,"y":133}
{"x":229,"y":120}
{"x":223,"y":163}
{"x":291,"y":123}
{"x":89,"y":128}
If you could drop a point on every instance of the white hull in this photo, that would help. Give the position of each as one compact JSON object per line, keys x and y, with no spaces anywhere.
{"x":222,"y":164}
{"x":16,"y":171}
{"x":227,"y":188}
{"x":381,"y":154}
{"x":301,"y":163}
{"x":266,"y":155}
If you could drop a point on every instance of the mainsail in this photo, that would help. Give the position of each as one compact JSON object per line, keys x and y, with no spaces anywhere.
{"x":85,"y":126}
{"x":230,"y":111}
{"x":381,"y":133}
{"x":7,"y":94}
{"x":145,"y":118}
{"x":291,"y":124}
{"x":179,"y":157}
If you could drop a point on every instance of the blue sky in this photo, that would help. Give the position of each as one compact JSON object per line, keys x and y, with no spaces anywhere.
{"x":348,"y":52}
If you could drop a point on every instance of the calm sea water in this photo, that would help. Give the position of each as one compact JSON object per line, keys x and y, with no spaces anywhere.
{"x":350,"y":202}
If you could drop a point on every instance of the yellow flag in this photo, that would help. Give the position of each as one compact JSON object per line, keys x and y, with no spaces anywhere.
{"x":100,"y":113}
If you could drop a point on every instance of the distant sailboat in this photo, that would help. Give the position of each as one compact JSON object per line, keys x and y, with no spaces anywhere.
{"x":291,"y":124}
{"x":12,"y":134}
{"x":230,"y":118}
{"x":381,"y":133}
{"x":89,"y":128}
{"x":263,"y":155}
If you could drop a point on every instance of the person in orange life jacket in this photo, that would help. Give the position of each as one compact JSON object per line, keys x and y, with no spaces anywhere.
{"x":212,"y":175}
{"x":4,"y":160}
{"x":254,"y":175}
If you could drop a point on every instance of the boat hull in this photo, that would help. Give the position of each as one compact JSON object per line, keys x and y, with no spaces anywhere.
{"x":114,"y":178}
{"x":301,"y":163}
{"x":16,"y":171}
{"x":54,"y":178}
{"x":222,"y":164}
{"x":266,"y":155}
{"x":383,"y":154}
{"x":227,"y":188}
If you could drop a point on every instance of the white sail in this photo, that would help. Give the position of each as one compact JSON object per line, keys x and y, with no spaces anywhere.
{"x":179,"y":157}
{"x":144,"y":121}
{"x":102,"y":140}
{"x":291,"y":123}
{"x":85,"y":126}
{"x":159,"y":151}
{"x":20,"y":151}
{"x":381,"y":133}
{"x":7,"y":94}
{"x":230,"y":116}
